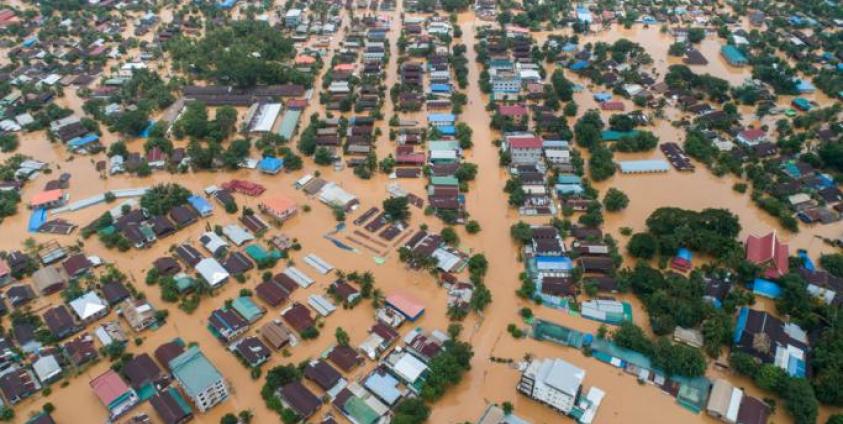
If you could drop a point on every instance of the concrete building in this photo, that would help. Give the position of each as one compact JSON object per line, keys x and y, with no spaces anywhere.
{"x":201,"y":381}
{"x":292,"y":18}
{"x":553,"y":382}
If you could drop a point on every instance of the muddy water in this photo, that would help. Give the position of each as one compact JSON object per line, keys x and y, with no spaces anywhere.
{"x":626,"y":400}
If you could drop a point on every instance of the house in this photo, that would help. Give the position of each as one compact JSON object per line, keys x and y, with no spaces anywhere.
{"x":24,"y":335}
{"x":227,"y":325}
{"x":114,"y":292}
{"x":48,"y":199}
{"x":60,"y":322}
{"x":169,"y":351}
{"x":201,"y":206}
{"x":406,"y":305}
{"x":323,"y":374}
{"x":199,"y":379}
{"x":142,"y":372}
{"x":89,"y":307}
{"x":553,"y":382}
{"x":359,"y":405}
{"x":171,"y":407}
{"x":752,"y":137}
{"x":272,"y":292}
{"x":46,"y":368}
{"x":753,"y":411}
{"x":345,"y":357}
{"x":237,"y":263}
{"x":213,"y":243}
{"x":525,"y":149}
{"x":248,"y":309}
{"x":270,"y":165}
{"x":381,"y":337}
{"x":237,"y":234}
{"x":77,"y":265}
{"x":19,"y":295}
{"x":385,"y":386}
{"x":139,"y":314}
{"x":81,"y":350}
{"x":733,"y":56}
{"x":114,"y":393}
{"x":188,"y":254}
{"x":17,"y":385}
{"x":252,"y":350}
{"x":5,"y":273}
{"x":494,"y":414}
{"x":183,"y":216}
{"x":343,"y":291}
{"x":298,"y":316}
{"x":769,"y":253}
{"x":212,"y":272}
{"x":771,"y":341}
{"x":724,"y":401}
{"x":300,"y":399}
{"x":278,"y":207}
{"x":276,"y":334}
{"x":49,"y":279}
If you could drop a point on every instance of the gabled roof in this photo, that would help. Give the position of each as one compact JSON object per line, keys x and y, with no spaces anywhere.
{"x":109,"y":387}
{"x":770,"y":252}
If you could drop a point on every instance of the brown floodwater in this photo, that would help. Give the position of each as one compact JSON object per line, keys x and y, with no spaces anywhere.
{"x":626,"y":400}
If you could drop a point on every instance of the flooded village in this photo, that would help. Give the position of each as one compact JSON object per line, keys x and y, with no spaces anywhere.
{"x":407,"y":211}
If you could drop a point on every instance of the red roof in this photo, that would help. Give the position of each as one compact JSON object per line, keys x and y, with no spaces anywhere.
{"x":768,"y":252}
{"x":514,"y":110}
{"x":410,"y":158}
{"x":108,"y":387}
{"x":613,"y":105}
{"x":526,"y":142}
{"x":405,"y":304}
{"x":752,"y":134}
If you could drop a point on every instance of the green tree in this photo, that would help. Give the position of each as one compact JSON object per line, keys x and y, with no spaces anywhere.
{"x":615,"y":200}
{"x":342,"y":337}
{"x":397,"y":208}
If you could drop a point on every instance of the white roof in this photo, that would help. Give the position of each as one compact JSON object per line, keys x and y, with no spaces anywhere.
{"x":213,"y":241}
{"x":321,"y":304}
{"x":562,"y":376}
{"x":87,"y":305}
{"x":237,"y":234}
{"x":333,"y":194}
{"x":266,"y":116}
{"x":409,"y":368}
{"x":211,"y":271}
{"x":46,"y":367}
{"x":446,"y":260}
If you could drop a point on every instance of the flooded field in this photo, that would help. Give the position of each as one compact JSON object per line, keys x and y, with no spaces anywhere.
{"x":488,"y":381}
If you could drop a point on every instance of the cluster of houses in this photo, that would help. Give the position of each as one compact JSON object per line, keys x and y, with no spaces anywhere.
{"x":424,"y":38}
{"x":354,"y":81}
{"x":68,"y":337}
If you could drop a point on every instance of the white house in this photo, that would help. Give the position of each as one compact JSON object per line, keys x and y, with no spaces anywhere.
{"x":212,"y":272}
{"x":553,"y":382}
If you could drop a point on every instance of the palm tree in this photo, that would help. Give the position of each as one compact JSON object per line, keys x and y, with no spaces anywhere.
{"x":377,"y":298}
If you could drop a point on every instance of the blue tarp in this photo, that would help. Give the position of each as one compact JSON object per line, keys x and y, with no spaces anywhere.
{"x":796,"y":367}
{"x":766,"y":288}
{"x":684,"y":253}
{"x":79,"y":142}
{"x":740,"y":325}
{"x":447,"y":130}
{"x":602,"y":97}
{"x":579,"y":65}
{"x":807,"y":263}
{"x":440,"y":88}
{"x":147,"y":130}
{"x":37,"y":219}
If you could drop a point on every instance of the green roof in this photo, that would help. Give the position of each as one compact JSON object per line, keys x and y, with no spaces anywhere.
{"x":247,"y":308}
{"x":451,"y":181}
{"x":288,"y":123}
{"x":443,"y":145}
{"x":184,"y":283}
{"x":179,"y":400}
{"x":610,"y":135}
{"x":362,"y":413}
{"x":194,"y":371}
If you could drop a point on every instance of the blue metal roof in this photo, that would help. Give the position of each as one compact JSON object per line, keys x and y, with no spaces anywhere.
{"x":201,"y":205}
{"x":271,"y":164}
